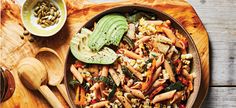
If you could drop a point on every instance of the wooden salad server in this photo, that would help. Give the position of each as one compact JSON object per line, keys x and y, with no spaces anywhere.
{"x":33,"y":75}
{"x":54,"y":66}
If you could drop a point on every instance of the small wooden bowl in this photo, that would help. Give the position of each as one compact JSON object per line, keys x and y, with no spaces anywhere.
{"x":196,"y":67}
{"x":30,"y":21}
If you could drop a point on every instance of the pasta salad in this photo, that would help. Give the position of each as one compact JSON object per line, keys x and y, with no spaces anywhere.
{"x":146,"y":64}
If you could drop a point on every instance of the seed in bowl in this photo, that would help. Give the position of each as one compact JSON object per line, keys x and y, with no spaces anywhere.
{"x":47,"y":13}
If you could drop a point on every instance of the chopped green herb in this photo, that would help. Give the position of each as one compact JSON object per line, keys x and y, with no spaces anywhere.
{"x":112,"y":93}
{"x":135,"y":17}
{"x":73,"y":83}
{"x":107,"y":80}
{"x":174,"y":86}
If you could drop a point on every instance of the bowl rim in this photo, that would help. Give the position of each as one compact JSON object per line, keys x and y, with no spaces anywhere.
{"x":142,"y":7}
{"x":38,"y":34}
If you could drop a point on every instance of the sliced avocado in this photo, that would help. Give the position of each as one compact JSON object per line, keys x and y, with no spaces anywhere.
{"x":100,"y":26}
{"x":103,"y":33}
{"x":79,"y":48}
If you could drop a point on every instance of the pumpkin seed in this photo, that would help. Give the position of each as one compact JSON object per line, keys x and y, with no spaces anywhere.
{"x":26,"y":32}
{"x":31,"y":39}
{"x":57,"y":20}
{"x":38,"y":21}
{"x":52,"y":5}
{"x":54,"y":8}
{"x":39,"y":15}
{"x":59,"y":16}
{"x":53,"y":18}
{"x":49,"y":22}
{"x":55,"y":14}
{"x":46,"y":24}
{"x":21,"y":36}
{"x":36,"y":9}
{"x":47,"y":13}
{"x":43,"y":26}
{"x":35,"y":14}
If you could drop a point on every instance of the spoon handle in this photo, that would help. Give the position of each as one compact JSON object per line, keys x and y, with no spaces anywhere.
{"x":62,"y":90}
{"x":48,"y":94}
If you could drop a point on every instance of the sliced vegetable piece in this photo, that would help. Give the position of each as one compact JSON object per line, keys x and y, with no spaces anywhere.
{"x":109,"y":30}
{"x":135,"y":17}
{"x":175,"y":86}
{"x":112,"y":93}
{"x":129,"y":41}
{"x":80,"y":98}
{"x":147,"y":84}
{"x":126,"y":71}
{"x":162,"y":47}
{"x":79,"y":48}
{"x":131,"y":31}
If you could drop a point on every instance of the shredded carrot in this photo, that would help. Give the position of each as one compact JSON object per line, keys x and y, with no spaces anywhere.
{"x":147,"y":83}
{"x":80,"y":98}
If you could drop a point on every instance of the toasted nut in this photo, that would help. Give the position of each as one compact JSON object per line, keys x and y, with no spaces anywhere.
{"x":46,"y":24}
{"x":57,"y":20}
{"x":21,"y":36}
{"x":47,"y":13}
{"x":26,"y":32}
{"x":31,"y":39}
{"x":36,"y":9}
{"x":39,"y":15}
{"x":38,"y":21}
{"x":59,"y":16}
{"x":43,"y":25}
{"x":55,"y":14}
{"x":35,"y":14}
{"x":54,"y":8}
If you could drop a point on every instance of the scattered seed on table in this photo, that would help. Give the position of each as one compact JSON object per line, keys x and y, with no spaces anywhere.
{"x":21,"y":36}
{"x":26,"y":32}
{"x":31,"y":39}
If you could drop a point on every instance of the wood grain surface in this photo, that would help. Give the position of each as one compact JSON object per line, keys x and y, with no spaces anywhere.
{"x":13,"y":48}
{"x":219,"y":18}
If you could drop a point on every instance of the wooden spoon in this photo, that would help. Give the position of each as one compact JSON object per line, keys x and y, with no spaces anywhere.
{"x":33,"y":73}
{"x":54,"y":66}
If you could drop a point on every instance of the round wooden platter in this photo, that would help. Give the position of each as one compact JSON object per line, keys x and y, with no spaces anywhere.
{"x":13,"y":48}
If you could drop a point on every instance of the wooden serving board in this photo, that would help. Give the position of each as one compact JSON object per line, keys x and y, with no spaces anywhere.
{"x":13,"y":48}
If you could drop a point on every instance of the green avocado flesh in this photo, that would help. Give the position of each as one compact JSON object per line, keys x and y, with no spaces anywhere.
{"x":81,"y":51}
{"x":108,"y":31}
